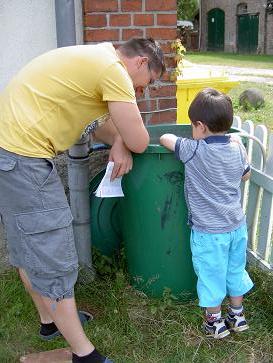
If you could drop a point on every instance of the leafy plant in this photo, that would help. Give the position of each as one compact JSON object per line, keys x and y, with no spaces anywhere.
{"x":108,"y":266}
{"x":179,"y":50}
{"x":187,"y":9}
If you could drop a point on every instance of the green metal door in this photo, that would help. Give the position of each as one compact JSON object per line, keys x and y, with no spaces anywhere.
{"x":248,"y":26}
{"x":216,"y":29}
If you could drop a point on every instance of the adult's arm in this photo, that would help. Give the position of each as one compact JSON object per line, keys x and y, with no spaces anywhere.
{"x":107,"y":133}
{"x":129,"y":124}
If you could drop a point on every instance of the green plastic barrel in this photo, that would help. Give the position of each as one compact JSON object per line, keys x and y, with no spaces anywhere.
{"x":154,"y":220}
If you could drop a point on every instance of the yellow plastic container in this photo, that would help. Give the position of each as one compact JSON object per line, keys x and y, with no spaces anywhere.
{"x":187,"y":89}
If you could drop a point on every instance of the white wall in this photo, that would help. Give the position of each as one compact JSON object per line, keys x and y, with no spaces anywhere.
{"x":78,"y":21}
{"x":27,"y":29}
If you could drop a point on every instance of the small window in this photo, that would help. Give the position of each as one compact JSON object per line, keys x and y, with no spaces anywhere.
{"x":242,"y":8}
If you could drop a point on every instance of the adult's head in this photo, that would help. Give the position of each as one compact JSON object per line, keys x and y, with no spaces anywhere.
{"x":213,"y":109}
{"x":143,"y":59}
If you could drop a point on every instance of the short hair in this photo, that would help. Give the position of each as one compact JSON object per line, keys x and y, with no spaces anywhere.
{"x":213,"y":108}
{"x":145,"y":47}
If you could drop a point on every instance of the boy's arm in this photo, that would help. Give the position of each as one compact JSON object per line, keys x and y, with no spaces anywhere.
{"x":169,"y":141}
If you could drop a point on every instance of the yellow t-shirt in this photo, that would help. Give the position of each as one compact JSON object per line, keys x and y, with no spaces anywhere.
{"x":49,"y":103}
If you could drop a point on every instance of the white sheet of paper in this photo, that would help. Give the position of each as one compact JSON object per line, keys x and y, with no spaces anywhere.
{"x":108,"y":188}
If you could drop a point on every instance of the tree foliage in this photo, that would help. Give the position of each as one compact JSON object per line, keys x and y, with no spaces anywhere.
{"x":186,"y":9}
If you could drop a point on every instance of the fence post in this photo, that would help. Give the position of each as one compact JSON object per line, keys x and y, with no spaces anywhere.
{"x":255,"y":191}
{"x":248,"y":127}
{"x":266,"y":216}
{"x":237,"y":122}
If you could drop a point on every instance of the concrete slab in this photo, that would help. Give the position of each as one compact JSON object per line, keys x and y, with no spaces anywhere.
{"x":52,"y":356}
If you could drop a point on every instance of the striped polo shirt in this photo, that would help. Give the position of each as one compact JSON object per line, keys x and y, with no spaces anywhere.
{"x":214,"y":167}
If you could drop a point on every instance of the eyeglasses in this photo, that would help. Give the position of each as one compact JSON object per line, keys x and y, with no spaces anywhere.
{"x":152,"y":81}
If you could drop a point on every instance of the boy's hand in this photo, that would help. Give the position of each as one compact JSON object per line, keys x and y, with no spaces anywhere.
{"x":168,"y":140}
{"x":246,"y":176}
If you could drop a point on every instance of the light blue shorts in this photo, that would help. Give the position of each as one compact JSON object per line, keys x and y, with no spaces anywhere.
{"x":219,"y":261}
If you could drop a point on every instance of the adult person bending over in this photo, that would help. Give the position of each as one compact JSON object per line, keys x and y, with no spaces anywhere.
{"x":44,"y":110}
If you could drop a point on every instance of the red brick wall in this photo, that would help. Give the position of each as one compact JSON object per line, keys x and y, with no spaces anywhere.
{"x":119,"y":20}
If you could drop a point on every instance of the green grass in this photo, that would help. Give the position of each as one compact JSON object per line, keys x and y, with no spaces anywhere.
{"x":132,"y":328}
{"x":263,"y":115}
{"x":231,"y":59}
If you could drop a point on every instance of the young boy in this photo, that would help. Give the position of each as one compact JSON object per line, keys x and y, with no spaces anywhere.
{"x":215,"y":164}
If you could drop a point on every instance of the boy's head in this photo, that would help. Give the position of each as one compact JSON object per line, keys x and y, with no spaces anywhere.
{"x":213,"y":110}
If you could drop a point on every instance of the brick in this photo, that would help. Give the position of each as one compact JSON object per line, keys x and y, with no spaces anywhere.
{"x":160,"y":5}
{"x":166,"y":47}
{"x":120,"y":20}
{"x":167,"y":75}
{"x":170,"y":62}
{"x":162,"y":33}
{"x":131,"y":5}
{"x":143,"y":19}
{"x":130,"y":33}
{"x":96,"y":6}
{"x":149,"y":105}
{"x":101,"y":35}
{"x":167,"y":103}
{"x":168,"y":117}
{"x":95,"y":21}
{"x":167,"y":19}
{"x":163,"y":91}
{"x":51,"y":356}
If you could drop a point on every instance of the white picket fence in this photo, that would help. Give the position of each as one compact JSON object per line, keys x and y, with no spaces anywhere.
{"x":257,"y":195}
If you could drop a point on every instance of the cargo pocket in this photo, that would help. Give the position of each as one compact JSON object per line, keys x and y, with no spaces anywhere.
{"x":8,"y":180}
{"x":47,"y":241}
{"x":7,"y":163}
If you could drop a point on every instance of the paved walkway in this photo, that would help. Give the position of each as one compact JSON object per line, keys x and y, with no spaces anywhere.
{"x":244,"y":74}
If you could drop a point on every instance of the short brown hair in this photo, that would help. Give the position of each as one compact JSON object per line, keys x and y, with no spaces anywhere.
{"x":145,"y":47}
{"x":213,"y":108}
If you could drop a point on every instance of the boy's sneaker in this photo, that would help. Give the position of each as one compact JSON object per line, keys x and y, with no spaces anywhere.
{"x":236,"y":322}
{"x":216,"y":329}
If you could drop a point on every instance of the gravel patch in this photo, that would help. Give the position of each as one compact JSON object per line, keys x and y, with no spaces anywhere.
{"x":247,"y":74}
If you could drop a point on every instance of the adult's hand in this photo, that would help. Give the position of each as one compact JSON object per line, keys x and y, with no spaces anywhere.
{"x":122,"y":158}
